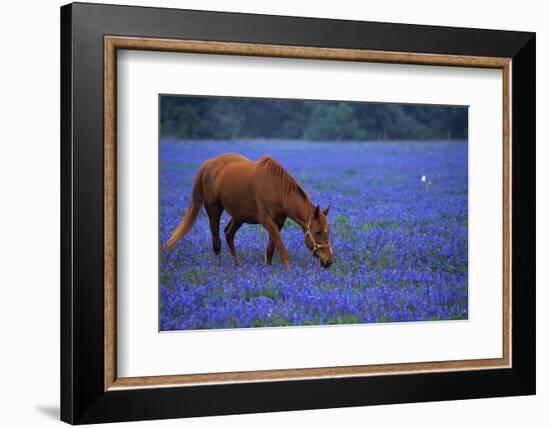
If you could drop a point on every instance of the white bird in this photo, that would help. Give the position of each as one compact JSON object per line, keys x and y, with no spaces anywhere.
{"x":423,"y":179}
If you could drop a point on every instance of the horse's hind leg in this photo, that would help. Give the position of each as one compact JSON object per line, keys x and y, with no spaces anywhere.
{"x":271,"y":245}
{"x":230,"y":231}
{"x":214,"y":212}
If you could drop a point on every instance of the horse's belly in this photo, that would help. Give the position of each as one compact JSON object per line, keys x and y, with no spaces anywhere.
{"x":239,"y":201}
{"x":242,"y":210}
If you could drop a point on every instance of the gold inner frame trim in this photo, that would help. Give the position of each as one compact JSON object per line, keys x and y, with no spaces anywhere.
{"x":113,"y":43}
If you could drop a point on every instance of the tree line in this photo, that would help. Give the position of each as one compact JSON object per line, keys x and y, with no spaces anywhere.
{"x":223,"y":118}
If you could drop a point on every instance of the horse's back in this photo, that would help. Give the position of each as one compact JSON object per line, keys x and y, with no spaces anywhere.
{"x":237,"y":170}
{"x":220,"y":164}
{"x":227,"y":163}
{"x":227,"y":158}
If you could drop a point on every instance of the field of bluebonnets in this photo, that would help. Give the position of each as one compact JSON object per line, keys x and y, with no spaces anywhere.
{"x":400,"y":240}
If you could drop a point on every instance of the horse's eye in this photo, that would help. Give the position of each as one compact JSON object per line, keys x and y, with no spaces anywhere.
{"x":318,"y":232}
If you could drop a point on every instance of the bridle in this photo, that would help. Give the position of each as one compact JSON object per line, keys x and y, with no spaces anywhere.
{"x":316,"y":246}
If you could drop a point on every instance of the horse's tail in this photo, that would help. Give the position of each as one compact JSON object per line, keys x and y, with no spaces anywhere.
{"x":191,"y":214}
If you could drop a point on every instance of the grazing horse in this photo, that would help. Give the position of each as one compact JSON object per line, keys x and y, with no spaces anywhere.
{"x":260,"y":192}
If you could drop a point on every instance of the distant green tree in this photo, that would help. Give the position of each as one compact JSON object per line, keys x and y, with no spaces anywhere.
{"x":227,"y":120}
{"x":333,"y":122}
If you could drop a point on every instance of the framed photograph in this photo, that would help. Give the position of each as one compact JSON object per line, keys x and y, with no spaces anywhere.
{"x":265,"y":213}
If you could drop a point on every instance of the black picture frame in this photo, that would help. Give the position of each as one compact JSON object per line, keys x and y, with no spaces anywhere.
{"x":83,"y":399}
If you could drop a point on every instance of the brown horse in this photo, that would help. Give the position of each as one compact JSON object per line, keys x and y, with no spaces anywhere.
{"x":260,"y":192}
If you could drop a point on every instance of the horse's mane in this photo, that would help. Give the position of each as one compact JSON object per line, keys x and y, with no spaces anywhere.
{"x":288,"y":183}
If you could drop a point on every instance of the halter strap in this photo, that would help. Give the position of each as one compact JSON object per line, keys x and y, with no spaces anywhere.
{"x":316,"y":246}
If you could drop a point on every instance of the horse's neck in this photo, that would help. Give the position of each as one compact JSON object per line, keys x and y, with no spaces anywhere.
{"x":298,"y":208}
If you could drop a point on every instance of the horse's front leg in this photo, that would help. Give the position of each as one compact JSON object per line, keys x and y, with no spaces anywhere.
{"x":271,"y":245}
{"x":275,"y":236}
{"x":230,"y":231}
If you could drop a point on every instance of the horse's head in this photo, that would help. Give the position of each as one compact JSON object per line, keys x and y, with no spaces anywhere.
{"x":317,"y":237}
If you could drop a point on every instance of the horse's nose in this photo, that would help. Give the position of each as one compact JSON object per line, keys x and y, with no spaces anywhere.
{"x":327,"y":263}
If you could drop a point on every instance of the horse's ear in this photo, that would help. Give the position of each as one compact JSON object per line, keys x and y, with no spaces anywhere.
{"x":317,"y":211}
{"x":325,"y":211}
